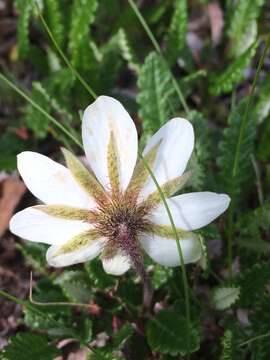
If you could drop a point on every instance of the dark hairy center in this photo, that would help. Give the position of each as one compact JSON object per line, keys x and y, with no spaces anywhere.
{"x":121,"y":221}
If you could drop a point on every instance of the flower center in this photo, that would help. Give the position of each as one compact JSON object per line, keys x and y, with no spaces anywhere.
{"x":121,"y":221}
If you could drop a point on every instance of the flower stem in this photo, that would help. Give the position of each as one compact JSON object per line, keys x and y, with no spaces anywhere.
{"x":184,"y":274}
{"x":237,"y":153}
{"x":158,"y":49}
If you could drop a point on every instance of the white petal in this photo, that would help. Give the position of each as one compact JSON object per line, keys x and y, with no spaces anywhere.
{"x":34,"y":225}
{"x":117,"y":265}
{"x":177,"y":142}
{"x":82,"y":255}
{"x":192,"y":211}
{"x":51,"y":182}
{"x":104,"y":116}
{"x":164,"y":251}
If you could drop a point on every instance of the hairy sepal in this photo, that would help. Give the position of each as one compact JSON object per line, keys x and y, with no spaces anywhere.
{"x":168,"y":189}
{"x":167,"y":231}
{"x":64,"y":212}
{"x":85,"y":177}
{"x":112,"y":161}
{"x":77,"y":242}
{"x":141,"y":173}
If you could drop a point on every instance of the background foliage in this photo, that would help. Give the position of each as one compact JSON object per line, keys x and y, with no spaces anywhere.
{"x":210,"y":51}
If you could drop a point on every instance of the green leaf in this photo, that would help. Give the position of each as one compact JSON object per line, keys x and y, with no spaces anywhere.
{"x":242,"y":26}
{"x":224,"y":297}
{"x":176,"y":37}
{"x":225,"y":81}
{"x":82,"y":16}
{"x":156,"y":93}
{"x":167,"y":333}
{"x":75,"y":286}
{"x":25,"y":8}
{"x":227,"y":150}
{"x":28,"y":346}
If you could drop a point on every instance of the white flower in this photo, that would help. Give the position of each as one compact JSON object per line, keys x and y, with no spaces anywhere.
{"x":115,"y":209}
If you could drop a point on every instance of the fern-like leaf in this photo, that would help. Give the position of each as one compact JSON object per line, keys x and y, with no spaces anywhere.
{"x":82,"y":16}
{"x":227,"y":346}
{"x":176,"y":37}
{"x":54,"y":19}
{"x":225,"y":81}
{"x":228,"y":147}
{"x":25,"y":8}
{"x":127,"y":51}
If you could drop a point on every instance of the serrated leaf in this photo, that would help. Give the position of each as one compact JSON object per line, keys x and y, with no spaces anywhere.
{"x":127,"y":51}
{"x":28,"y":346}
{"x":155,"y":93}
{"x":25,"y":8}
{"x":227,"y":346}
{"x":97,"y":276}
{"x":224,"y":297}
{"x":176,"y":37}
{"x":242,"y":26}
{"x":82,"y":16}
{"x":54,"y":19}
{"x":167,"y":333}
{"x":225,"y":81}
{"x":160,"y":276}
{"x":75,"y":286}
{"x":34,"y":254}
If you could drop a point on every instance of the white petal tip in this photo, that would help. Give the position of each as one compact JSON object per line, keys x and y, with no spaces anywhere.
{"x":117,"y":265}
{"x":225,"y":201}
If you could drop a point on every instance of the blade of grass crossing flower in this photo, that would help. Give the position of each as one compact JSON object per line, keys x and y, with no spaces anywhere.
{"x":39,"y":108}
{"x":184,"y":274}
{"x":68,"y":63}
{"x":237,"y":152}
{"x":158,"y":49}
